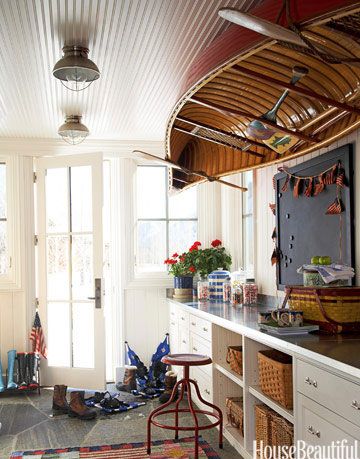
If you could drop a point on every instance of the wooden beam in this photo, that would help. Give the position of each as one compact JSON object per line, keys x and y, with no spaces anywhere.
{"x":236,"y":112}
{"x":220,"y":131}
{"x":219,"y":142}
{"x":297,"y":90}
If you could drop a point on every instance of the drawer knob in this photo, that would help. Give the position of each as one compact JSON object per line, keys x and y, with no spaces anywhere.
{"x":182,"y":318}
{"x":205,"y":329}
{"x":313,"y":431}
{"x":184,"y":341}
{"x":193,"y":323}
{"x":355,"y":404}
{"x":173,"y":323}
{"x":207,"y":391}
{"x":194,"y":349}
{"x":311,"y":382}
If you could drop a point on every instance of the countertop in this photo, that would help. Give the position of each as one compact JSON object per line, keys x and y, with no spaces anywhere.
{"x":342,"y":352}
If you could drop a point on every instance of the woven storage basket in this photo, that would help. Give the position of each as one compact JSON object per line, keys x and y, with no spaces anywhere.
{"x":234,"y":359}
{"x":262,"y":425}
{"x":235,"y":413}
{"x":282,"y":432}
{"x":275,"y":375}
{"x":271,"y":428}
{"x":334,"y":309}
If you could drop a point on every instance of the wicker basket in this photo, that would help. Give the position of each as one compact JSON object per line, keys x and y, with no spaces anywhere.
{"x":234,"y":359}
{"x":275,"y":375}
{"x":271,"y":428}
{"x":334,"y":309}
{"x":235,"y":413}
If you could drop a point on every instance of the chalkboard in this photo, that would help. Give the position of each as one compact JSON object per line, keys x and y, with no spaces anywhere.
{"x":303,"y":229}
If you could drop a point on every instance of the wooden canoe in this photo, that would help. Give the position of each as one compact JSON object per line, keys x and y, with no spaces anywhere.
{"x":241,"y":75}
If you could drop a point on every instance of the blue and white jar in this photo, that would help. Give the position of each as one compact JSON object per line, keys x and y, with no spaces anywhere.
{"x":216,"y":281}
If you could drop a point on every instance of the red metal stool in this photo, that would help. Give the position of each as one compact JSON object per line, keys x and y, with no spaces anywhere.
{"x":187,"y":361}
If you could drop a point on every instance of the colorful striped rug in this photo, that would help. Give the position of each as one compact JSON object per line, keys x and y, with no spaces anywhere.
{"x":161,"y":449}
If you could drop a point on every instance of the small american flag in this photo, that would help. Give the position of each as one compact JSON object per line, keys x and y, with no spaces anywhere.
{"x":37,"y":337}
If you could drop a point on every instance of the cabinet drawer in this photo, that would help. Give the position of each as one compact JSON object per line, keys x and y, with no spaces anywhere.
{"x":319,"y":426}
{"x":184,"y":341}
{"x":332,"y":391}
{"x":201,"y":327}
{"x":199,"y":345}
{"x":205,"y":385}
{"x":173,"y":312}
{"x":183,"y":319}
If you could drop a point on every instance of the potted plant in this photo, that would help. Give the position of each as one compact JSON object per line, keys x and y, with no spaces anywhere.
{"x":182,"y":268}
{"x":210,"y":259}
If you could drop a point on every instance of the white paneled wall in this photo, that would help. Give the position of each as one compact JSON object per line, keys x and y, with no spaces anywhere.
{"x":265,"y":220}
{"x":17,"y":305}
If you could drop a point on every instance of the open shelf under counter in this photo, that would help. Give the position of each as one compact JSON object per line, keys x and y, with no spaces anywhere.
{"x":237,"y":379}
{"x":233,"y":435}
{"x":284,"y":412}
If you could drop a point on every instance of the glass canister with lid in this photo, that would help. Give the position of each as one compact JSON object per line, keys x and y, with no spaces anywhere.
{"x":250,"y":291}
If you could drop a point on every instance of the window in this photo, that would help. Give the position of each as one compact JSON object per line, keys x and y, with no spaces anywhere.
{"x":165,"y":223}
{"x":3,"y":222}
{"x":248,"y":224}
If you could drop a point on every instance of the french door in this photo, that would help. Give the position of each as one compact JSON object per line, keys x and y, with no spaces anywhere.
{"x":70,"y":261}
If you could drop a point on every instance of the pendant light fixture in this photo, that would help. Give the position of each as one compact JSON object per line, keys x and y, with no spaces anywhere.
{"x":73,"y":131}
{"x":75,"y":70}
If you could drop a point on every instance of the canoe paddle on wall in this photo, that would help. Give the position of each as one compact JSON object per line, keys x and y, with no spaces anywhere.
{"x":270,"y":136}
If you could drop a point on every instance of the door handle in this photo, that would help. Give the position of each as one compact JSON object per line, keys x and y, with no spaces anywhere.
{"x":98,"y":294}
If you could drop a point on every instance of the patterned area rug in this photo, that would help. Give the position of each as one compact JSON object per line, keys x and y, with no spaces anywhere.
{"x":162,"y":449}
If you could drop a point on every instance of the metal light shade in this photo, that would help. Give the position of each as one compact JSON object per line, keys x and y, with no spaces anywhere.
{"x":75,"y":68}
{"x":73,"y":131}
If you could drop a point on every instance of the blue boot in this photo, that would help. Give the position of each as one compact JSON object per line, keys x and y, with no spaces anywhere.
{"x":11,"y":364}
{"x":2,"y":387}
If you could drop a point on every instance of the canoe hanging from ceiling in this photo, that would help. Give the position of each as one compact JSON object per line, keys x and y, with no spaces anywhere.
{"x":218,"y":125}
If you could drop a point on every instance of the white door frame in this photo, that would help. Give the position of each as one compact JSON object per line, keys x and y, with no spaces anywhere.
{"x":92,"y":378}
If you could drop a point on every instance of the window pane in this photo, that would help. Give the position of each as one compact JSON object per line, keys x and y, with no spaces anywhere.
{"x":248,"y":245}
{"x":3,"y":254}
{"x":248,"y":195}
{"x":59,"y":334}
{"x":82,"y":264}
{"x":81,"y":198}
{"x":182,"y":234}
{"x":184,"y":204}
{"x":151,"y":192}
{"x":57,"y":200}
{"x":151,"y":246}
{"x":58,"y":267}
{"x":2,"y":191}
{"x":83,"y":335}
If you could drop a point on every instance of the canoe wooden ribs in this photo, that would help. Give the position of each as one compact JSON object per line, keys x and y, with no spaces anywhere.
{"x":242,"y":74}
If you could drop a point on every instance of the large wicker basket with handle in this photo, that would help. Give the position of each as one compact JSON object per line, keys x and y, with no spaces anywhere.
{"x":334,"y":309}
{"x":234,"y":359}
{"x":275,"y":375}
{"x":271,"y":429}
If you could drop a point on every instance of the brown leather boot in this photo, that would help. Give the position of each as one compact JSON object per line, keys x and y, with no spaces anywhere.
{"x":170,"y":381}
{"x":60,"y":404}
{"x":129,"y":381}
{"x":77,"y":407}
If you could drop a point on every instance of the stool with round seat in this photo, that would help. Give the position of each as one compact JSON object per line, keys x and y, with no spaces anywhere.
{"x":186,"y":384}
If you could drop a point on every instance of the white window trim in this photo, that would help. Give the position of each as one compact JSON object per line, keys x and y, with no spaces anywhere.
{"x":12,"y":280}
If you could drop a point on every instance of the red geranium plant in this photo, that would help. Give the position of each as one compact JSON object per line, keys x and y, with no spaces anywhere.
{"x":198,"y":260}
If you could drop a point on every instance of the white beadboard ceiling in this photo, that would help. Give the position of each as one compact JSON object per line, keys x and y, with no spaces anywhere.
{"x":142,"y":48}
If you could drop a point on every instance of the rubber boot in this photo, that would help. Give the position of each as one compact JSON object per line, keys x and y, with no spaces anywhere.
{"x":32,"y":362}
{"x":170,"y":381}
{"x":2,"y":385}
{"x":21,"y":361}
{"x":60,"y":404}
{"x":77,"y":407}
{"x":11,"y":364}
{"x":129,"y":381}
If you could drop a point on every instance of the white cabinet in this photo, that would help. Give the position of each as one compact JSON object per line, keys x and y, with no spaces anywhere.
{"x":319,"y":426}
{"x":332,"y":391}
